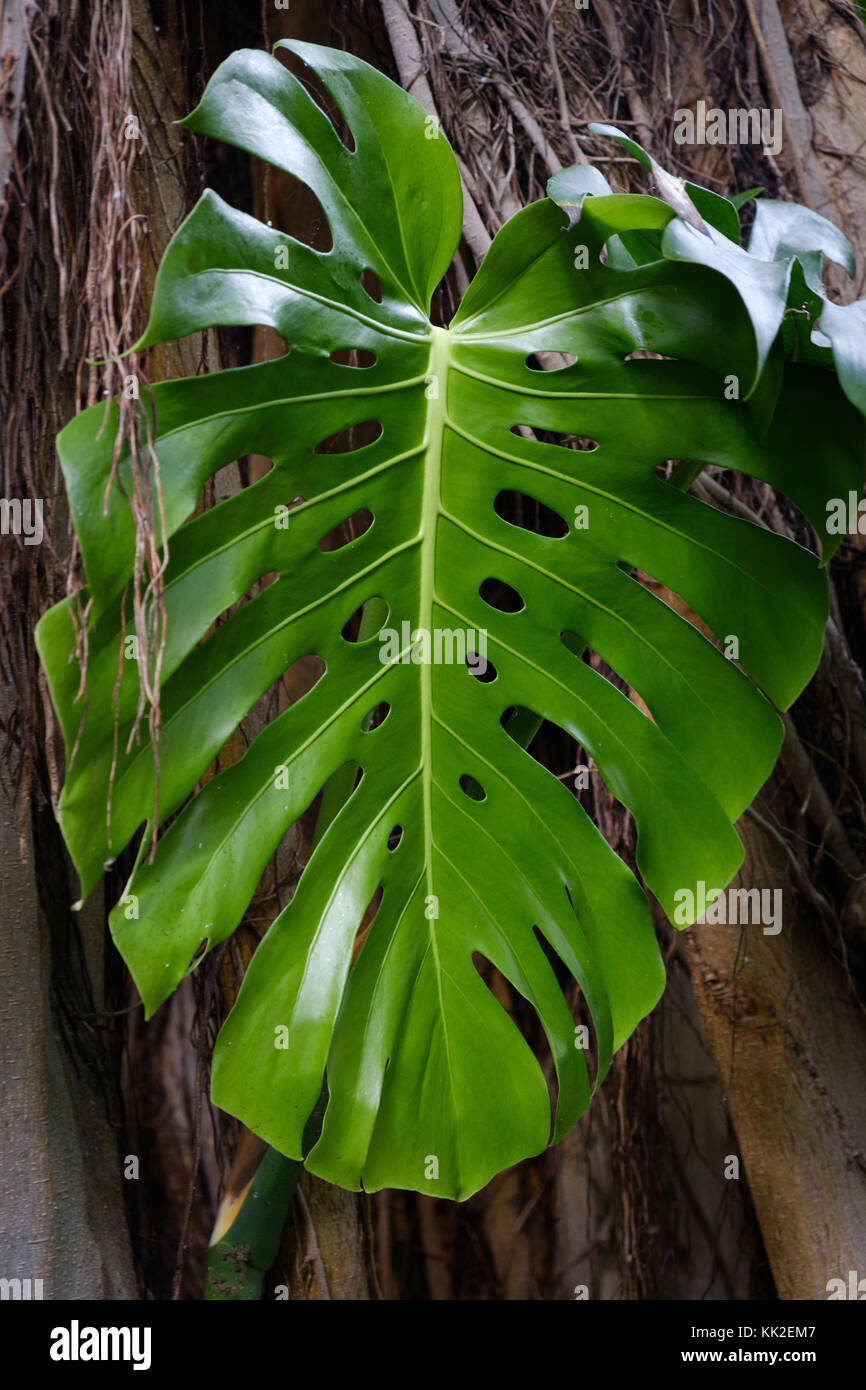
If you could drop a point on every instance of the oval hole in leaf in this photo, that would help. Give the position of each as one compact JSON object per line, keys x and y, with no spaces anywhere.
{"x":352,"y":626}
{"x":562,"y":441}
{"x":535,"y":364}
{"x":499,"y":595}
{"x":353,"y":437}
{"x":394,"y":838}
{"x":347,"y":531}
{"x":473,"y":789}
{"x":372,"y":284}
{"x":645,"y":355}
{"x":376,"y":717}
{"x":354,"y":357}
{"x":223,"y":484}
{"x":519,"y":510}
{"x":481,"y":668}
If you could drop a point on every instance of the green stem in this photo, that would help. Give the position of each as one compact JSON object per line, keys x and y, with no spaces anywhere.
{"x":240,"y":1257}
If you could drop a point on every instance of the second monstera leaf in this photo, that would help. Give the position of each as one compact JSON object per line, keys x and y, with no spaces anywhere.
{"x":480,"y":853}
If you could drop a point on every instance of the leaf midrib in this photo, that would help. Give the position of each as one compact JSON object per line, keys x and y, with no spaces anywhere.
{"x":430,"y":512}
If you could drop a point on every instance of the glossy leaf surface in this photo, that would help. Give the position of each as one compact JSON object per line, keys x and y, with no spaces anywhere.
{"x":481,"y":854}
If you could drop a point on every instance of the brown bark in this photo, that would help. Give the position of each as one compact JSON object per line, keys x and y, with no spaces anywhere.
{"x":62,"y":1218}
{"x":789,"y":1041}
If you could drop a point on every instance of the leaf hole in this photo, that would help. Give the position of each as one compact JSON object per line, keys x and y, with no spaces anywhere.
{"x":518,"y":509}
{"x":472,"y":788}
{"x":347,"y":531}
{"x":376,"y":718}
{"x":318,"y":92}
{"x":371,"y":284}
{"x":310,"y":817}
{"x":276,"y":688}
{"x":352,"y":627}
{"x":348,"y":440}
{"x":598,"y":664}
{"x":573,"y":994}
{"x":560,"y":440}
{"x":481,"y":668}
{"x":645,"y":355}
{"x":499,"y":595}
{"x":223,"y":484}
{"x":394,"y":838}
{"x":557,"y":751}
{"x":578,"y":647}
{"x":550,"y":361}
{"x":354,"y":357}
{"x":525,"y":1021}
{"x":366,"y":922}
{"x":297,"y":681}
{"x":304,"y":217}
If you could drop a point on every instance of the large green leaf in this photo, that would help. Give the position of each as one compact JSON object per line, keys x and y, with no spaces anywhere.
{"x":496,"y":856}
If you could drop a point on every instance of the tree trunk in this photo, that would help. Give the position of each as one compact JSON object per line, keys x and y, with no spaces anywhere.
{"x":62,"y":1219}
{"x":789,"y":1041}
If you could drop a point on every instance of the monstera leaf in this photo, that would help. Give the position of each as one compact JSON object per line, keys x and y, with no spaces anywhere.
{"x":496,"y":557}
{"x":779,"y":277}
